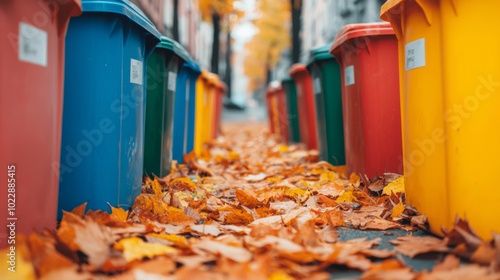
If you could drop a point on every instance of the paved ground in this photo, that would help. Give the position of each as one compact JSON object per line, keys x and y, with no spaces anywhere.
{"x":425,"y":262}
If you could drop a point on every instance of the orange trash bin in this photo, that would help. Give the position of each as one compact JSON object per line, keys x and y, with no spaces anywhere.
{"x":368,"y":58}
{"x":219,"y":96}
{"x":31,"y":83}
{"x":306,"y":105}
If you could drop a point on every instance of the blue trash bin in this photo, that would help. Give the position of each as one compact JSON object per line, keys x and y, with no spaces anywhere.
{"x":185,"y":107}
{"x":104,"y":105}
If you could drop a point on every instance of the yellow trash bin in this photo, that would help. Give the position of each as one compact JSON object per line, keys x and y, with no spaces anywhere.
{"x":206,"y":87}
{"x":202,"y":109}
{"x":450,"y":98}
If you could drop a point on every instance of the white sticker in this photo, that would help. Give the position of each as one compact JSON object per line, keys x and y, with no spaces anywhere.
{"x":136,"y":71}
{"x":317,"y":86}
{"x":32,"y":44}
{"x":415,"y":54}
{"x":172,"y":79}
{"x":349,"y":75}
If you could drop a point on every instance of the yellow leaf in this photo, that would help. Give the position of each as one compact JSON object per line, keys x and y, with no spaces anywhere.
{"x":396,"y":186}
{"x":347,"y":196}
{"x":155,"y":185}
{"x":328,"y":176}
{"x":118,"y":213}
{"x":233,"y":156}
{"x":397,"y":210}
{"x":296,"y":192}
{"x":279,"y":275}
{"x":274,"y":180}
{"x":178,"y":240}
{"x":135,"y":249}
{"x":283,"y":148}
{"x":183,"y":183}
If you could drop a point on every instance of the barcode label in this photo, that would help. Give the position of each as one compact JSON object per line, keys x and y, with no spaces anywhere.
{"x":172,"y":79}
{"x":136,"y":71}
{"x":32,"y":44}
{"x":415,"y":54}
{"x":349,"y":75}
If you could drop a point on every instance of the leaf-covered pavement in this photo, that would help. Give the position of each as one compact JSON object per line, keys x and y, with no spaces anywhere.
{"x":250,"y":208}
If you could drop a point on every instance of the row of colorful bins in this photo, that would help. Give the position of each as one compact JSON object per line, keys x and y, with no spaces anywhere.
{"x":346,"y":105}
{"x":449,"y":66}
{"x":126,"y":112}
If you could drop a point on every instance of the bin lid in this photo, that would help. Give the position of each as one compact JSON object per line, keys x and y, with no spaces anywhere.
{"x":191,"y":64}
{"x":296,"y":69}
{"x":287,"y":80}
{"x":181,"y":52}
{"x":357,"y":30}
{"x":173,"y":46}
{"x":319,"y":53}
{"x":212,"y":78}
{"x":387,"y":6}
{"x":273,"y":87}
{"x":122,"y":7}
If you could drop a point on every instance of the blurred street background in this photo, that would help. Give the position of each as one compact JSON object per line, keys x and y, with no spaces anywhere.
{"x":249,"y":43}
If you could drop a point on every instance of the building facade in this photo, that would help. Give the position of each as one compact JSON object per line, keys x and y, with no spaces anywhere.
{"x":153,"y":10}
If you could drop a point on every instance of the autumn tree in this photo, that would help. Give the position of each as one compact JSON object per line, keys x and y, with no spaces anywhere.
{"x":263,"y":51}
{"x":296,"y":6}
{"x":215,"y":11}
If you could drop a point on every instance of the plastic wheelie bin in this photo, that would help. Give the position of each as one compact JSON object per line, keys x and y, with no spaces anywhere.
{"x":325,"y":73}
{"x":31,"y":80}
{"x":104,"y":105}
{"x":449,"y":73}
{"x":272,"y":108}
{"x":282,"y":114}
{"x":367,"y":54}
{"x":306,"y":106}
{"x":212,"y":86}
{"x":185,"y":106}
{"x":290,"y":93}
{"x":163,"y":106}
{"x":203,"y":103}
{"x":220,"y":91}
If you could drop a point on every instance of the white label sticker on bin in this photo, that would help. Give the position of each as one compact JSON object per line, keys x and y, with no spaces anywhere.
{"x":136,"y":71}
{"x":317,"y":86}
{"x":415,"y":54}
{"x":349,"y":75}
{"x":172,"y":78}
{"x":32,"y":44}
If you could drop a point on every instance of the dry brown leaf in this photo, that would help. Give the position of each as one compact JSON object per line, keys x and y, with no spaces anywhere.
{"x":206,"y":229}
{"x":237,"y":254}
{"x":412,"y":246}
{"x":393,"y":274}
{"x":247,"y":198}
{"x":450,"y":262}
{"x":464,"y":272}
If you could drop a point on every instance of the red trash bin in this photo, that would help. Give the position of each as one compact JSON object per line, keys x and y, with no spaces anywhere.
{"x":31,"y":82}
{"x":368,"y":57}
{"x":306,"y":105}
{"x":282,"y":113}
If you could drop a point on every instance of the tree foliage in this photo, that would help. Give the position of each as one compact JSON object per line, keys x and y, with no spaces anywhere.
{"x":273,"y":36}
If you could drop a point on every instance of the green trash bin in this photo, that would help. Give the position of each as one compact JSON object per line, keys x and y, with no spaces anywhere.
{"x":325,"y":72}
{"x":162,"y":68}
{"x":288,"y":86}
